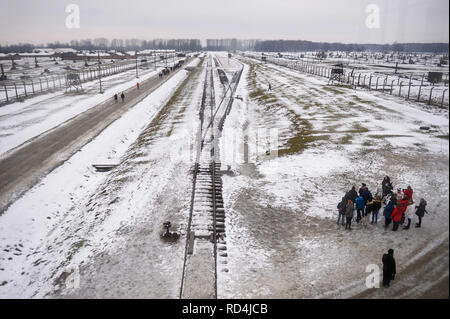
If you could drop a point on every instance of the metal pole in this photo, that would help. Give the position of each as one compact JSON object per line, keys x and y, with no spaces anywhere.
{"x":431,"y":93}
{"x":15,"y":88}
{"x":99,"y":71}
{"x":137,"y":75}
{"x":442,"y":102}
{"x":409,"y":89}
{"x":7,"y":100}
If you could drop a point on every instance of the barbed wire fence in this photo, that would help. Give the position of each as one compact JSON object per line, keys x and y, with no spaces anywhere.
{"x":19,"y":90}
{"x":411,"y":88}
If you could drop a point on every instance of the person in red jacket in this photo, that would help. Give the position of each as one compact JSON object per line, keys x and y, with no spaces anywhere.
{"x":398,"y":212}
{"x":408,"y":192}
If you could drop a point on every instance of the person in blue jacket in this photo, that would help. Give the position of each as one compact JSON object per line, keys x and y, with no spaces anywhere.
{"x":360,"y":203}
{"x":388,"y":209}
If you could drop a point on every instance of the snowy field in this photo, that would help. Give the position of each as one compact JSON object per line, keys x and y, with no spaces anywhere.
{"x":379,"y":71}
{"x":21,"y":121}
{"x":67,"y":220}
{"x":280,"y":203}
{"x":282,"y":234}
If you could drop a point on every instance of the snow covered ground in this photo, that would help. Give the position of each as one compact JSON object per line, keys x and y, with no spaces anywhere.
{"x":76,"y":216}
{"x":22,"y":121}
{"x":282,"y":236}
{"x":82,"y":233}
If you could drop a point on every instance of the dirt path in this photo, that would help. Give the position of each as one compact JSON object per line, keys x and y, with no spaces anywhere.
{"x":24,"y":166}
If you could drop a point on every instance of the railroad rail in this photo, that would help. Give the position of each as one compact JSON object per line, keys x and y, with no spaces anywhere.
{"x":206,"y":242}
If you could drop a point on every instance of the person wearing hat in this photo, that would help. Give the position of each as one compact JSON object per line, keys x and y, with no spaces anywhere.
{"x":389,"y":268}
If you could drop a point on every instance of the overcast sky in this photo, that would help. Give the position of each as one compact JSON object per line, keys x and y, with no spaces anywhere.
{"x":42,"y":21}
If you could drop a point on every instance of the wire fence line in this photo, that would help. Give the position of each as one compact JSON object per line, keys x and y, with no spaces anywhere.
{"x":412,"y":89}
{"x":12,"y":91}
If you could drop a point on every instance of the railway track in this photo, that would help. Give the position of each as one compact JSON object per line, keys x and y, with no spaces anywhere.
{"x":206,"y":244}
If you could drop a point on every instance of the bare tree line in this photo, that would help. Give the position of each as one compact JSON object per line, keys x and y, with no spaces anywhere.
{"x":302,"y":46}
{"x":115,"y":44}
{"x":229,"y":45}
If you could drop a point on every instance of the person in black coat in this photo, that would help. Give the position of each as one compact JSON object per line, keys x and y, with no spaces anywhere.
{"x":386,"y":186}
{"x":420,"y":211}
{"x":389,"y":269}
{"x":351,"y":194}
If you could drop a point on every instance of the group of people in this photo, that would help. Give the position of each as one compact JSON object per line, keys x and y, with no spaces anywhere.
{"x":399,"y":206}
{"x":168,"y":69}
{"x":164,"y":71}
{"x":116,"y":97}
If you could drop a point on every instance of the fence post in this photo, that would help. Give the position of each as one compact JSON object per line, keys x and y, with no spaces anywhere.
{"x":420,"y":90}
{"x":384,"y":83}
{"x":392,"y":86}
{"x":359,"y":77}
{"x":400,"y":89}
{"x":364,"y":84}
{"x":442,"y":102}
{"x":59,"y":79}
{"x":15,"y":88}
{"x":7,"y":100}
{"x":431,"y":93}
{"x":40,"y":83}
{"x":409,"y":89}
{"x":370,"y":81}
{"x":32,"y":86}
{"x":25,"y":88}
{"x":376,"y":85}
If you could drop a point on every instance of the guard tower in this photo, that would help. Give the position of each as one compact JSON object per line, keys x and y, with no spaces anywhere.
{"x":337,"y":73}
{"x":73,"y":81}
